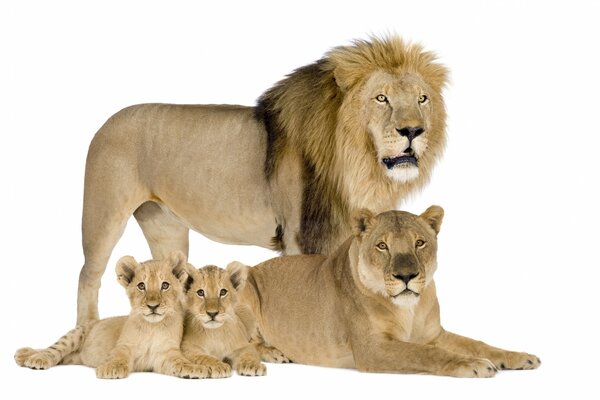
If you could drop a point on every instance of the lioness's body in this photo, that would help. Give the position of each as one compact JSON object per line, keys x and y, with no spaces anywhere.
{"x":371,"y":309}
{"x":362,"y":127}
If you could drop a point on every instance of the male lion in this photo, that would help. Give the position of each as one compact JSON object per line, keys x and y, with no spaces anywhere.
{"x":370,"y":305}
{"x":361,"y":127}
{"x":147,"y":340}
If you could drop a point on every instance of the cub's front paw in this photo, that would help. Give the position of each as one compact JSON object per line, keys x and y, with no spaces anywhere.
{"x":219,"y":369}
{"x":516,"y":360}
{"x":472,"y":368}
{"x":251,"y":368}
{"x":116,"y":369}
{"x":194,"y":372}
{"x":273,"y":355}
{"x":23,"y":354}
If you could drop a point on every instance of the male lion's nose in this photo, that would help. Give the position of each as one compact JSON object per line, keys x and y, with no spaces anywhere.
{"x":406,"y":277}
{"x":410,"y":132}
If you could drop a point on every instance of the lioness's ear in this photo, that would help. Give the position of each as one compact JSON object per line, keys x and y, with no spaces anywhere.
{"x":125,"y":269}
{"x":434,"y":216}
{"x":363,"y":220}
{"x":238,"y":274}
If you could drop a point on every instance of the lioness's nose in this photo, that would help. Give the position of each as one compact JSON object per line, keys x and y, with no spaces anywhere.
{"x":212,"y":314}
{"x":410,"y":132}
{"x":406,"y":277}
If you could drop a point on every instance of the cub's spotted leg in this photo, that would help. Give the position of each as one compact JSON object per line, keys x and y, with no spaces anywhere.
{"x":246,"y":361}
{"x":502,"y":359}
{"x":216,"y":367}
{"x":53,"y":355}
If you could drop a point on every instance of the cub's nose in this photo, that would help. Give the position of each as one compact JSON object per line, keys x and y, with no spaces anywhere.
{"x":410,"y":132}
{"x":152,"y":307}
{"x":212,"y":314}
{"x":406,"y":277}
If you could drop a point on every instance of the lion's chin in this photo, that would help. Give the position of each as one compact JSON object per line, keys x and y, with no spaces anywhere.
{"x":154,"y":318}
{"x":407,"y":298}
{"x":403,"y":172}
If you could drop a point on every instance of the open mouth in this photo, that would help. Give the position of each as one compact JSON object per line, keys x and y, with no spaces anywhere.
{"x":408,"y":157}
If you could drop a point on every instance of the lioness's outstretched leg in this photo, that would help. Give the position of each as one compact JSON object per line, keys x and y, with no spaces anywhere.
{"x":163,"y":232}
{"x":502,"y":359}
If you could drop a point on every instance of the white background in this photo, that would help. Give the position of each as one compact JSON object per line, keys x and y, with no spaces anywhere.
{"x":518,"y":248}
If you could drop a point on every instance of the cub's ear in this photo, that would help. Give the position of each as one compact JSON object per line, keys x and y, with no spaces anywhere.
{"x":178,"y":262}
{"x":238,"y":274}
{"x":434,"y":216}
{"x":125,"y":269}
{"x":362,"y":221}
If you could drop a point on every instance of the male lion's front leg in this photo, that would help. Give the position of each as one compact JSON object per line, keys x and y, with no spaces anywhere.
{"x":502,"y":359}
{"x":382,"y":354}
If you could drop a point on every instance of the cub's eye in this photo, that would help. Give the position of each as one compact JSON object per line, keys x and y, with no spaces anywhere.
{"x":200,"y":293}
{"x":420,"y":243}
{"x":223,"y":292}
{"x":141,"y":286}
{"x":382,"y":246}
{"x":423,"y":99}
{"x":381,"y":98}
{"x":165,"y":285}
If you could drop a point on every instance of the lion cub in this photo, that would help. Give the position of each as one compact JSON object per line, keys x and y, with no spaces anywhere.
{"x":217,"y":328}
{"x":146,"y":340}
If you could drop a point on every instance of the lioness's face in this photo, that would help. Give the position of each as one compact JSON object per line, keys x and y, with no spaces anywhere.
{"x":397,"y":254}
{"x":398,"y":113}
{"x":212,"y":295}
{"x":154,"y":287}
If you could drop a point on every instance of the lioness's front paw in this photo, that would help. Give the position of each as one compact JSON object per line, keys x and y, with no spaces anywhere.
{"x":472,"y":368}
{"x":516,"y":360}
{"x":251,"y":368}
{"x":116,"y":369}
{"x":273,"y":355}
{"x":219,"y":369}
{"x":23,"y":354}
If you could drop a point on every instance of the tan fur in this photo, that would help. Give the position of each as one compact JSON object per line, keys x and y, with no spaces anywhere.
{"x":286,"y":174}
{"x":370,"y":305}
{"x":218,"y":328}
{"x":146,"y":340}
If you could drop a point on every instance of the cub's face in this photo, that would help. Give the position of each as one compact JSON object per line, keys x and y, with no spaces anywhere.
{"x":397,"y":253}
{"x":154,"y":287}
{"x":212,"y":293}
{"x":399,"y":110}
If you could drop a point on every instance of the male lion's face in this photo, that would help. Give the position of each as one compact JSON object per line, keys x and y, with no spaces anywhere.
{"x":212,"y":293}
{"x":398,"y":112}
{"x":397,"y":254}
{"x":154,"y":287}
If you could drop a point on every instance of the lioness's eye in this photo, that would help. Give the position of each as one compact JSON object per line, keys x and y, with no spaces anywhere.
{"x":165,"y":285}
{"x":381,"y":98}
{"x":382,"y":246}
{"x":422,"y":99}
{"x":200,"y":293}
{"x":141,"y":286}
{"x":420,"y":243}
{"x":223,"y":292}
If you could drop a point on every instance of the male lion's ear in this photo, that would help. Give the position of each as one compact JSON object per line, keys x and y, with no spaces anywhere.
{"x":434,"y":216}
{"x":125,"y":269}
{"x":363,"y":220}
{"x":238,"y":274}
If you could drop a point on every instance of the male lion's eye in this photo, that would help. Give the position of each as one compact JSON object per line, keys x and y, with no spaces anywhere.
{"x":382,"y":246}
{"x":422,"y":99}
{"x":381,"y":98}
{"x":223,"y":292}
{"x":141,"y":286}
{"x":200,"y":293}
{"x":420,"y":243}
{"x":165,"y":285}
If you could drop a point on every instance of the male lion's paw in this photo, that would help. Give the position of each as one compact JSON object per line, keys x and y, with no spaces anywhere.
{"x":516,"y":360}
{"x":251,"y":368}
{"x":273,"y":355}
{"x":23,"y":354}
{"x":219,"y":369}
{"x":40,"y":360}
{"x":473,"y":368}
{"x":115,"y":369}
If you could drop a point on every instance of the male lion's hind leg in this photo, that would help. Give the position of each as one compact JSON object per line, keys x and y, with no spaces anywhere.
{"x":502,"y":359}
{"x":162,"y":230}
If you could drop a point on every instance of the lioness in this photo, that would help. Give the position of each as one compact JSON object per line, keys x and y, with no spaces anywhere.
{"x":218,"y":328}
{"x":370,"y":305}
{"x":147,"y":340}
{"x":361,"y":127}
